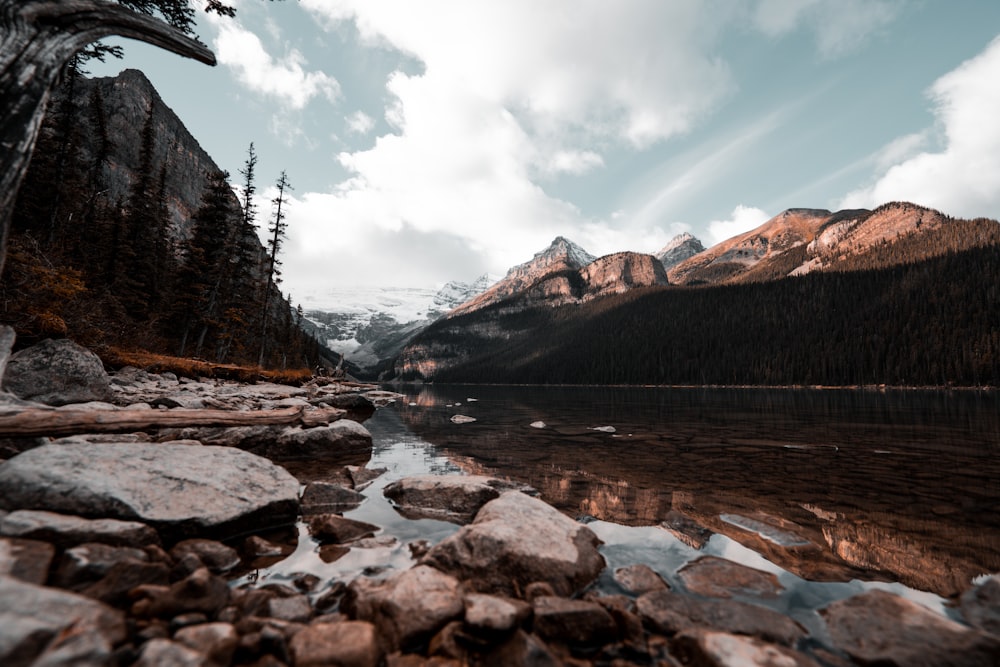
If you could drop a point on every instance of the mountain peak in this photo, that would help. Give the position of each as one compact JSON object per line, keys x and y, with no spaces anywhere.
{"x":678,"y":249}
{"x":562,"y":249}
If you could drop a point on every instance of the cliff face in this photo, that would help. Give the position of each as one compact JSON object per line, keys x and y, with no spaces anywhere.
{"x":680,"y":248}
{"x":128,"y":99}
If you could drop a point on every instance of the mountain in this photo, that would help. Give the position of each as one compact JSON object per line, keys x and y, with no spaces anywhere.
{"x":566,"y":273}
{"x":900,"y":294}
{"x":801,"y":240}
{"x":679,"y":248}
{"x":369,"y":325}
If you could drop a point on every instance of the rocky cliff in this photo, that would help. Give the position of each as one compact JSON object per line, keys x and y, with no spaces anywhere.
{"x":680,"y":248}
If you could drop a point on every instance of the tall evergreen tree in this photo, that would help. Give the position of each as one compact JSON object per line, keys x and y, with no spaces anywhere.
{"x":277,"y":234}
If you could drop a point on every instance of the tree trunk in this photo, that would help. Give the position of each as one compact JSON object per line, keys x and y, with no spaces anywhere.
{"x":37,"y":39}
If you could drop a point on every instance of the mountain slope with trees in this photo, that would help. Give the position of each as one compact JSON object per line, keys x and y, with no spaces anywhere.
{"x":126,"y":234}
{"x":923,"y":309}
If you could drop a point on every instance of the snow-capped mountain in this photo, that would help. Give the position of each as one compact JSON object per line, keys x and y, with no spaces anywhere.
{"x":681,"y":247}
{"x":370,"y":324}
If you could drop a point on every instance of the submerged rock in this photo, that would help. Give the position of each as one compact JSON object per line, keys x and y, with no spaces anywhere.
{"x":721,"y":578}
{"x":668,"y":613}
{"x":181,"y":491}
{"x":516,"y":540}
{"x":57,"y":372}
{"x":325,"y":497}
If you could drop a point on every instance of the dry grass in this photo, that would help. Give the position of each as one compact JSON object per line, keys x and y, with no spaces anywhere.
{"x":194,"y":368}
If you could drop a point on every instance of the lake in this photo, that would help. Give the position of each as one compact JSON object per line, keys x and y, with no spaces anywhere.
{"x":833,"y":491}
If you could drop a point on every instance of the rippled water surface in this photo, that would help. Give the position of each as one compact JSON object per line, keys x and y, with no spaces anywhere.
{"x":833,"y":491}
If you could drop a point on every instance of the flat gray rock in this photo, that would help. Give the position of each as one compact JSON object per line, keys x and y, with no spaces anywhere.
{"x":57,"y":372}
{"x":181,"y":491}
{"x":517,"y":540}
{"x":35,"y":620}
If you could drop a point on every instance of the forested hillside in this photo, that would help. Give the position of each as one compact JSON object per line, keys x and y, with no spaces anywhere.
{"x":126,"y":235}
{"x":932,"y":322}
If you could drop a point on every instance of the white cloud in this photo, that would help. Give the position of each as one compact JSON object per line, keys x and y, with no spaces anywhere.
{"x":510,"y":93}
{"x":284,"y":79}
{"x":360,"y":123}
{"x":743,"y":219}
{"x":840,"y":26}
{"x":961,"y":178}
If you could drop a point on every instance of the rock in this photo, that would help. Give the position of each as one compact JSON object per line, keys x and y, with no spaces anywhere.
{"x":161,"y":652}
{"x":538,"y":424}
{"x":720,"y":578}
{"x":980,"y":605}
{"x":216,"y":556}
{"x":34,"y":619}
{"x":7,"y":337}
{"x":256,"y":546}
{"x":334,"y":528}
{"x":454,"y":498}
{"x":362,"y":477}
{"x":877,"y":627}
{"x":492,"y":615}
{"x":57,"y":372}
{"x":294,"y":608}
{"x":65,"y":530}
{"x":407,"y":608}
{"x":639,"y":579}
{"x":521,"y":650}
{"x":86,"y":563}
{"x":181,"y":491}
{"x":346,"y":644}
{"x":123,"y":577}
{"x":708,"y":648}
{"x":216,"y":641}
{"x":686,"y":529}
{"x":341,"y":438}
{"x":324,"y":497}
{"x":201,"y":592}
{"x":668,"y":613}
{"x":359,"y":408}
{"x":27,"y":560}
{"x":576,"y":622}
{"x":516,"y":540}
{"x":462,"y":419}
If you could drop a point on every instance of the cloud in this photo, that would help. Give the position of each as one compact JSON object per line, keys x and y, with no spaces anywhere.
{"x":743,"y":219}
{"x":360,"y":123}
{"x":285,"y":79}
{"x":961,"y":178}
{"x":511,"y":94}
{"x":840,"y":26}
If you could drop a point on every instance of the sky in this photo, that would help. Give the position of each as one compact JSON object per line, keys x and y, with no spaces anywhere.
{"x":437,"y":140}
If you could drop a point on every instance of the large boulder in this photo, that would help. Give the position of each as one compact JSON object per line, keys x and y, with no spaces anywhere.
{"x":877,"y":627}
{"x":65,"y":530}
{"x":517,"y":540}
{"x":181,"y":491}
{"x":57,"y":372}
{"x":36,"y":620}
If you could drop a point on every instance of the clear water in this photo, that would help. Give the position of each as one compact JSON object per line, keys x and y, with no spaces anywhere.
{"x":833,"y":491}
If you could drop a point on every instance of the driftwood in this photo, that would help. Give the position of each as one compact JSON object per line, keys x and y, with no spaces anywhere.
{"x":44,"y":421}
{"x":37,"y":39}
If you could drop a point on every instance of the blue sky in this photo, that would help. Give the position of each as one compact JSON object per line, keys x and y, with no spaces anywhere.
{"x":437,"y":140}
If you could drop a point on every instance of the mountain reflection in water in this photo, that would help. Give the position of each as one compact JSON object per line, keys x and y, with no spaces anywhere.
{"x":831,"y":485}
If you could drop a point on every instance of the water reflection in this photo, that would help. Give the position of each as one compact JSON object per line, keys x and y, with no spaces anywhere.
{"x":829,"y":485}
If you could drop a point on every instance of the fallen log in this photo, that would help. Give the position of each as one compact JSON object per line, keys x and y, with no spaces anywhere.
{"x":33,"y":421}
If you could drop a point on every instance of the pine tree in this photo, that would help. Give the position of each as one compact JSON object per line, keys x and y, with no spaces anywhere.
{"x":278,"y":233}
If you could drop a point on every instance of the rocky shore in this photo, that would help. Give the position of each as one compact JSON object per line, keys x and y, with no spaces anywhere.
{"x":133,"y":549}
